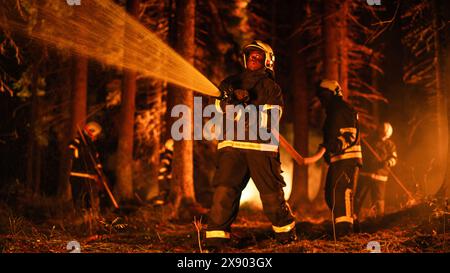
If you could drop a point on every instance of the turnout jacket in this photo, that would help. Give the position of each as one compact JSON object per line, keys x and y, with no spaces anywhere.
{"x":341,"y":133}
{"x":266,"y":96}
{"x":82,"y":165}
{"x":387,"y":152}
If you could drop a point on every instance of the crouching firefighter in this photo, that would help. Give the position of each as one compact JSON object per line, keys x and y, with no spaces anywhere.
{"x":164,"y":174}
{"x":378,"y":158}
{"x":242,"y":159}
{"x":86,"y":176}
{"x":341,"y":139}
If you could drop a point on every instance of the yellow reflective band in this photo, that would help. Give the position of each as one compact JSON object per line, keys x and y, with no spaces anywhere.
{"x":217,"y":234}
{"x":84,"y":175}
{"x":392,"y":162}
{"x":352,"y":152}
{"x":238,"y":116}
{"x":285,"y":228}
{"x":356,"y":148}
{"x":263,"y":120}
{"x":248,"y":146}
{"x":379,"y":177}
{"x":348,"y":202}
{"x":346,"y":219}
{"x":218,"y":106}
{"x":272,"y":106}
{"x":346,"y":156}
{"x":351,"y":130}
{"x":344,"y":142}
{"x":75,"y":150}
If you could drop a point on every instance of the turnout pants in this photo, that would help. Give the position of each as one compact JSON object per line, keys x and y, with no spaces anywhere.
{"x":234,"y":169}
{"x":376,"y":189}
{"x":85,"y":193}
{"x":340,"y":186}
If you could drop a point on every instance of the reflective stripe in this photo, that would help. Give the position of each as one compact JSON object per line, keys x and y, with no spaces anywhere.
{"x":351,"y":130}
{"x":344,"y":142}
{"x":263,"y":123}
{"x":346,"y":219}
{"x":392,"y":162}
{"x":348,"y":202}
{"x":352,"y":152}
{"x":165,"y":161}
{"x":84,"y":175}
{"x":77,"y":141}
{"x":75,"y":150}
{"x":272,"y":106}
{"x":379,"y":177}
{"x":238,"y":116}
{"x":248,"y":146}
{"x":285,"y":228}
{"x":217,"y":103}
{"x":217,"y":234}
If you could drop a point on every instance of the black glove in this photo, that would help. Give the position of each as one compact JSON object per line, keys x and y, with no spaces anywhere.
{"x":226,"y":93}
{"x":241,"y":95}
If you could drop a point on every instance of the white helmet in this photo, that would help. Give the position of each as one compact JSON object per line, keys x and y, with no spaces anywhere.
{"x":93,"y":129}
{"x":269,"y":59}
{"x":332,"y":86}
{"x":386,"y":130}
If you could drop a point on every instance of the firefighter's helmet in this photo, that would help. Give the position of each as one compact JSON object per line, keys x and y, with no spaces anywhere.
{"x":169,"y":144}
{"x":269,"y":59}
{"x":386,"y":130}
{"x":331,"y":86}
{"x":93,"y":129}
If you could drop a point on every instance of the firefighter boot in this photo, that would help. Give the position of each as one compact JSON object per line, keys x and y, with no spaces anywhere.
{"x":343,"y":229}
{"x":217,"y":245}
{"x":286,"y":237}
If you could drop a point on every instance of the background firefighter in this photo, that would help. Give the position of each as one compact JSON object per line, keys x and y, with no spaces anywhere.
{"x":84,"y":178}
{"x":164,"y":174}
{"x":238,"y":160}
{"x":341,"y":140}
{"x":375,"y":172}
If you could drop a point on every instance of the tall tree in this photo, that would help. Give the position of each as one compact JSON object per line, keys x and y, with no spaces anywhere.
{"x":330,"y":30}
{"x":124,"y":168}
{"x":183,"y":168}
{"x":78,"y":109}
{"x":299,"y":194}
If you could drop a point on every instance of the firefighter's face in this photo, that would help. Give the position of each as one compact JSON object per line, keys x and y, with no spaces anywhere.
{"x":255,"y":60}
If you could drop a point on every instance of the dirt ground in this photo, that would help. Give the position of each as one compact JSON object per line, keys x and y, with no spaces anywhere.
{"x":145,"y":229}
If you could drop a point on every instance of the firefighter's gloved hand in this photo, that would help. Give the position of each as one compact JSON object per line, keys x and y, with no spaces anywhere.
{"x":241,"y":95}
{"x":226,"y":93}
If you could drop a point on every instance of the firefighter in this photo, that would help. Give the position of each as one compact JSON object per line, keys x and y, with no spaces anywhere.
{"x":84,"y":177}
{"x":376,"y":169}
{"x":242,"y":159}
{"x":165,"y":174}
{"x":341,"y":140}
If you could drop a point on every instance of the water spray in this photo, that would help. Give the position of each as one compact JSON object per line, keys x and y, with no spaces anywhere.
{"x":103,"y":31}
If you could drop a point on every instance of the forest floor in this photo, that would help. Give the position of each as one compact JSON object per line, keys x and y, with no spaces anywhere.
{"x":146,"y":229}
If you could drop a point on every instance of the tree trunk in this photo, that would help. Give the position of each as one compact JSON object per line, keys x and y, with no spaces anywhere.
{"x":438,"y":66}
{"x":331,"y":36}
{"x":444,"y":6}
{"x":124,"y":168}
{"x":33,"y":161}
{"x":299,"y":194}
{"x":78,"y":108}
{"x":183,"y":168}
{"x":343,"y":47}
